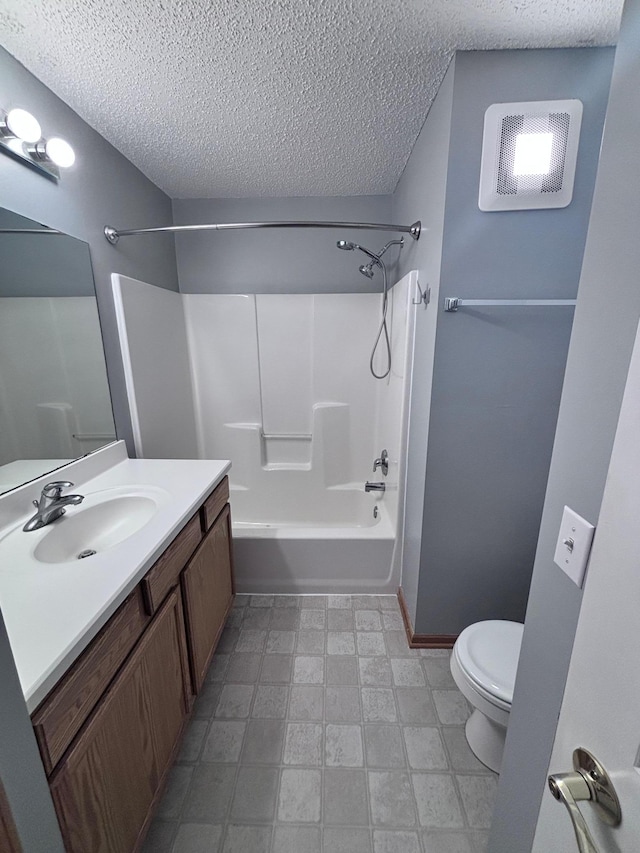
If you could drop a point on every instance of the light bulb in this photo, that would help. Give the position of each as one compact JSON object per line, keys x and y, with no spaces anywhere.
{"x":23,"y":125}
{"x":533,"y":154}
{"x":60,"y":152}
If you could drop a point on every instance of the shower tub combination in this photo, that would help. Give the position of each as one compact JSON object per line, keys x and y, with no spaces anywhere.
{"x":282,"y":387}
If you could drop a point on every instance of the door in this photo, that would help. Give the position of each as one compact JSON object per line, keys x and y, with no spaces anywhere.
{"x":601,"y":706}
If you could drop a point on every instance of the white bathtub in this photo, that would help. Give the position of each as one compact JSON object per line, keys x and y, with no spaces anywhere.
{"x":330,"y":543}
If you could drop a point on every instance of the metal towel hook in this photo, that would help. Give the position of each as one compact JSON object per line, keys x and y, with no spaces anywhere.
{"x":425,"y":295}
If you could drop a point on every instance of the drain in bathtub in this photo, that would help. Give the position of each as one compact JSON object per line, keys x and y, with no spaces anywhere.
{"x":88,"y":552}
{"x":375,"y":511}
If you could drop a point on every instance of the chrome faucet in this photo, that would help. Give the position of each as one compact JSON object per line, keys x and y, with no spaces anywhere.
{"x":382,"y":463}
{"x":374,"y":487}
{"x":52,"y":504}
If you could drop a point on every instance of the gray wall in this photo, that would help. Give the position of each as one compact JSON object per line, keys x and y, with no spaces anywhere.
{"x":498,"y":372}
{"x":601,"y":344}
{"x":103,"y":188}
{"x":420,"y":194}
{"x":278,"y":261}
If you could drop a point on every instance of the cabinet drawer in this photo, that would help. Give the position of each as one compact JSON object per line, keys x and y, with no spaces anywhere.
{"x":60,"y":716}
{"x":214,"y":504}
{"x":164,"y":574}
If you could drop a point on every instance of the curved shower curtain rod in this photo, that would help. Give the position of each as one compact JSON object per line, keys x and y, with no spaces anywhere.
{"x":113,"y":235}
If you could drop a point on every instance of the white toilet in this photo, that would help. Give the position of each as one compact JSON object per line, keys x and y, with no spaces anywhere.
{"x":483,"y":665}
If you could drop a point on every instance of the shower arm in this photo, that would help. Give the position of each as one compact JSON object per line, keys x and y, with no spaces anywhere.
{"x":113,"y":234}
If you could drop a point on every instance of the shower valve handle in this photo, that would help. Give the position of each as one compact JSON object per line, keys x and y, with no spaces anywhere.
{"x":382,"y":463}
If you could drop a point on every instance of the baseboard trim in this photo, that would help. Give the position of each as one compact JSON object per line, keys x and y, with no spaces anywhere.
{"x":422,"y":641}
{"x":434,"y":641}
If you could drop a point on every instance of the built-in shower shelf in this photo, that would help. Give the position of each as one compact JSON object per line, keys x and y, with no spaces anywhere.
{"x":287,"y":436}
{"x":287,"y":466}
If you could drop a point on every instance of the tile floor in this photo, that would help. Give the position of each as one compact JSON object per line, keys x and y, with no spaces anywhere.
{"x":320,"y":731}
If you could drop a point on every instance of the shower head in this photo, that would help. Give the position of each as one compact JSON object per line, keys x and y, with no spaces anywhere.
{"x":349,"y":247}
{"x":366,"y":269}
{"x":374,"y":260}
{"x":343,"y":244}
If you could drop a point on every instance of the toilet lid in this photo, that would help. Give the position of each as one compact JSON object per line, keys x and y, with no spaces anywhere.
{"x":489,"y":652}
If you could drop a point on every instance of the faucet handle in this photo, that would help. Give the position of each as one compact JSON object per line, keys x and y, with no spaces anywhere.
{"x":382,"y":463}
{"x":54,"y":490}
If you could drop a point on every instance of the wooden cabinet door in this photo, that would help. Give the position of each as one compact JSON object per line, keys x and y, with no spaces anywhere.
{"x":207,"y":584}
{"x":105,"y":786}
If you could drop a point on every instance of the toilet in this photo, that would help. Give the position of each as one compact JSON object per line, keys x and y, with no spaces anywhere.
{"x":483,"y":665}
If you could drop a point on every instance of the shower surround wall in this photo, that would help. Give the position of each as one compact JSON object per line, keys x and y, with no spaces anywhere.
{"x":153,"y":344}
{"x":282,"y":385}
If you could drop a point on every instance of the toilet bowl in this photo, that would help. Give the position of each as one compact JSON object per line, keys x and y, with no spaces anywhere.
{"x":483,"y":665}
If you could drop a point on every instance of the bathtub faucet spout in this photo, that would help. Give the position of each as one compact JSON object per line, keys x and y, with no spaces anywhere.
{"x":374,"y":487}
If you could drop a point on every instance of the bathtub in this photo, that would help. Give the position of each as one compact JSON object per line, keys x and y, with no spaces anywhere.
{"x":330,"y":542}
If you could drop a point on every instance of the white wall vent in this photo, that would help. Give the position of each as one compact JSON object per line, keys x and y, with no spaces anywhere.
{"x":529,"y":153}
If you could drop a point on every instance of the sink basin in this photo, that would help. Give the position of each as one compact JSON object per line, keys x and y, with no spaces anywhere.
{"x":95,"y":529}
{"x":104,"y":520}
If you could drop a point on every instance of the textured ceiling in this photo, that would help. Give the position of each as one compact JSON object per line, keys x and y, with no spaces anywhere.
{"x":234,"y":98}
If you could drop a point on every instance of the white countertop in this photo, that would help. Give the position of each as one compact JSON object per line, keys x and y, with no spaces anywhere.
{"x":52,"y":611}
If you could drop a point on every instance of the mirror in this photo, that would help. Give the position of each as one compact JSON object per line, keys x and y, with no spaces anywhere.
{"x":54,"y":395}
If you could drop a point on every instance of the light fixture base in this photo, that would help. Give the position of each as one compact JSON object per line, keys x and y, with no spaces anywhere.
{"x":19,"y":151}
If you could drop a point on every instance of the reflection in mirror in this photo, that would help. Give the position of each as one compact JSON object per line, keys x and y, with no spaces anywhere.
{"x":54,"y":395}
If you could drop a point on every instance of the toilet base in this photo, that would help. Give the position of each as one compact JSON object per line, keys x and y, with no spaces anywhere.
{"x":486,"y":739}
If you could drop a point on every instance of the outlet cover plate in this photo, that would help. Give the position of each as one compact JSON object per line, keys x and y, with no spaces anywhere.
{"x":573,"y":559}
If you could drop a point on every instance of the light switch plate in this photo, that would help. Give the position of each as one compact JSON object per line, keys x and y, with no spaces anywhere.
{"x":574,"y":545}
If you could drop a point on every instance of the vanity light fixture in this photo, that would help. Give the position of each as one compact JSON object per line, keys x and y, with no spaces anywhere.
{"x":529,"y":153}
{"x":21,"y":138}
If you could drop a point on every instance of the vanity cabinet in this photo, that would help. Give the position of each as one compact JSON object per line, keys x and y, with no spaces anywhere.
{"x":109,"y":731}
{"x":61,"y":715}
